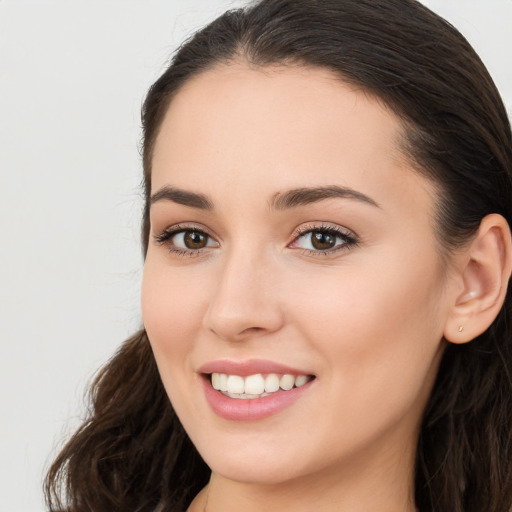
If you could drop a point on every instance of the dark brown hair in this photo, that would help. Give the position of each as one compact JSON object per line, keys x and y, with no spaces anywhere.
{"x":132,"y":453}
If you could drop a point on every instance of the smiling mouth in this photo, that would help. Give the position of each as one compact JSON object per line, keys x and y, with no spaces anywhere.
{"x":257,"y":385}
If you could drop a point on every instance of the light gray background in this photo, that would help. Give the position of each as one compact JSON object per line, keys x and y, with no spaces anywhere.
{"x":72,"y":77}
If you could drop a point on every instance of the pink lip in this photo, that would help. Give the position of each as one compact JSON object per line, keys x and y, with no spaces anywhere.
{"x":250,"y":367}
{"x":236,"y":409}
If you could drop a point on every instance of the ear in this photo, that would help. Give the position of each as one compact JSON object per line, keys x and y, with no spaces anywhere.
{"x":483,"y":273}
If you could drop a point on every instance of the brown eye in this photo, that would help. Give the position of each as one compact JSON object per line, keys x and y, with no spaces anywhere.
{"x":186,"y":240}
{"x":195,"y":240}
{"x":322,"y":240}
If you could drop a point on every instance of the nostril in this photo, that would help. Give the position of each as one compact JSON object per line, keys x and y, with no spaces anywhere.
{"x":252,"y":330}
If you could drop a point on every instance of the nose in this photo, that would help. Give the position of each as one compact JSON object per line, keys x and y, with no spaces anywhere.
{"x":245,"y":301}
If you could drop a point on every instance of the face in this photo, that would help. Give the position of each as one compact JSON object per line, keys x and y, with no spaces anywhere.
{"x":291,"y":245}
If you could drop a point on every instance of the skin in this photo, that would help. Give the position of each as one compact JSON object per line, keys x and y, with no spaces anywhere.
{"x":367,"y":320}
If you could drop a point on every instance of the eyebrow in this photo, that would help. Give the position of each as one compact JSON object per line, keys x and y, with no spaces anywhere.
{"x":184,"y":197}
{"x":307,"y":195}
{"x":280,"y":201}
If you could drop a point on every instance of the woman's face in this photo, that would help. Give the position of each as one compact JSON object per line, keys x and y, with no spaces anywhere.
{"x":289,"y":235}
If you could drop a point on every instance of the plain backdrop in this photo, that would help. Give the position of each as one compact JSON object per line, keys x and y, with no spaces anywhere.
{"x":72,"y":78}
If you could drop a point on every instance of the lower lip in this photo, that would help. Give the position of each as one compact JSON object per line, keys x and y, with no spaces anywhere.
{"x":250,"y":409}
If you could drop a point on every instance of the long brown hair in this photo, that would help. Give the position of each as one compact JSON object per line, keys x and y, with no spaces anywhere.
{"x":132,"y":454}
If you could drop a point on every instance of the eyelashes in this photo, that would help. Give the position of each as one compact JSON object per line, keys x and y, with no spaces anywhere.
{"x":310,"y":239}
{"x":323,"y":239}
{"x":186,"y":240}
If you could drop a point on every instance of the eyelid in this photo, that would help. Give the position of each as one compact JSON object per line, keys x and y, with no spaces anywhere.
{"x":351,"y":239}
{"x":164,"y":237}
{"x":308,"y":227}
{"x":168,"y":231}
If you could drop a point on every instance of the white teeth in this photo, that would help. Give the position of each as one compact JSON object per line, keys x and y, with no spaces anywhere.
{"x":220,"y":381}
{"x":245,"y":395}
{"x":287,"y":382}
{"x":271,"y":383}
{"x":215,"y":381}
{"x":301,"y":380}
{"x":236,"y":384}
{"x":223,"y":382}
{"x":255,"y":386}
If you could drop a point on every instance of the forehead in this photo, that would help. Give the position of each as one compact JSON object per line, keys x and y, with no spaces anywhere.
{"x":251,"y":129}
{"x":292,"y":100}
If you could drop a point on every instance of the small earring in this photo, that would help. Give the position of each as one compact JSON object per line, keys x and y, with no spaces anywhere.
{"x":461,"y":328}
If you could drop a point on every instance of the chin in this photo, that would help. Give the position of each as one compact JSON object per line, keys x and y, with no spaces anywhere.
{"x":244,"y":471}
{"x":264,"y":463}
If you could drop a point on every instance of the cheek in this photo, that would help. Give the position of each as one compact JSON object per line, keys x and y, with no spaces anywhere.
{"x":378,"y":334}
{"x":172,"y":309}
{"x":349,"y":305}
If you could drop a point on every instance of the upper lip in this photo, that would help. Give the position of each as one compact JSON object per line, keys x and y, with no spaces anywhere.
{"x":249,"y":367}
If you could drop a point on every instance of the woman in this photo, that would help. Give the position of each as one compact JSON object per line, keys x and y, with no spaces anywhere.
{"x":327,"y":255}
